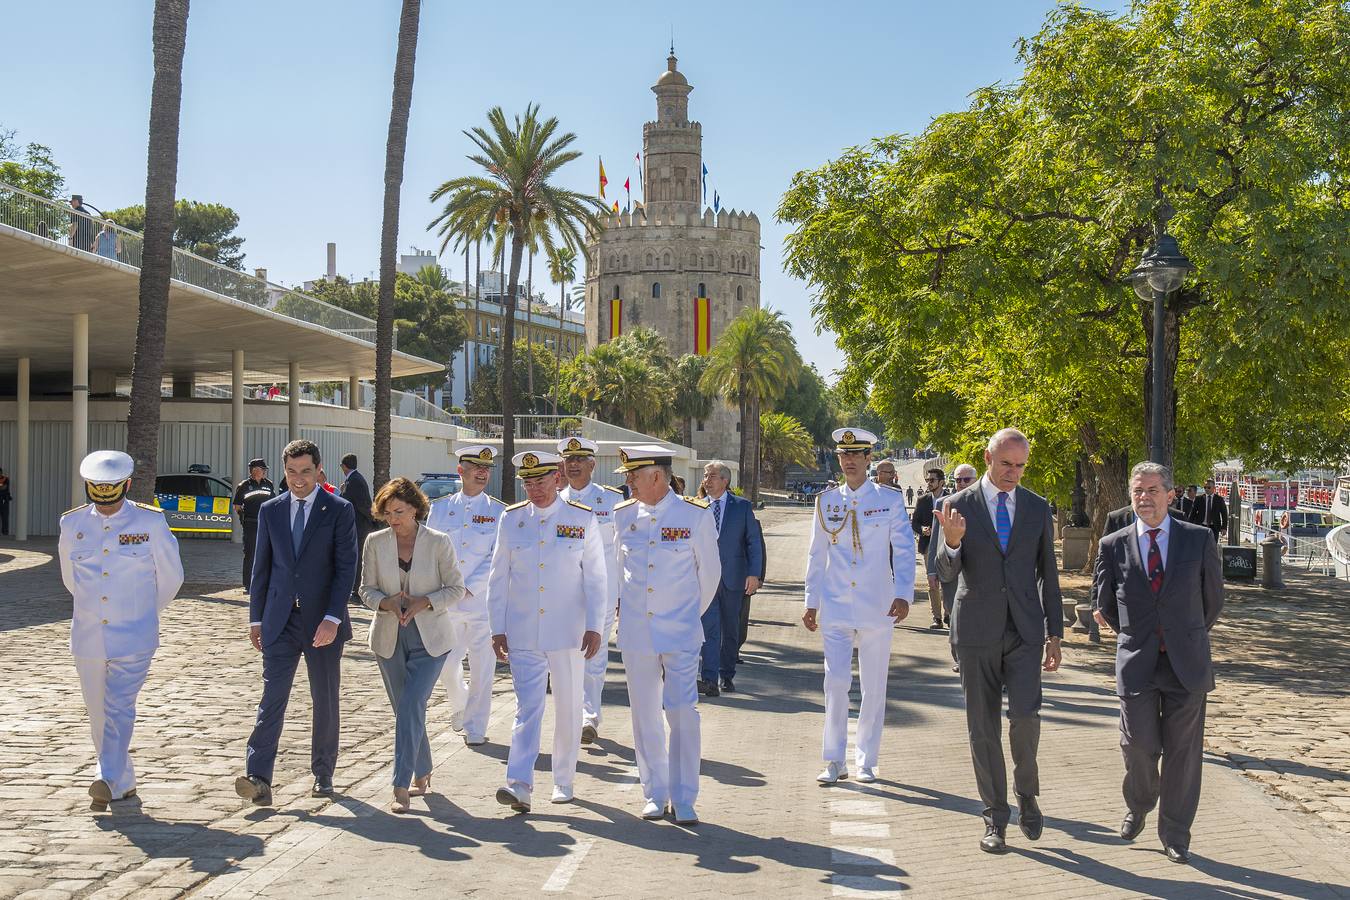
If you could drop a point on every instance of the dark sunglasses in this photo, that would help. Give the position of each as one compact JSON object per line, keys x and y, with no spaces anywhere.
{"x":965,"y":479}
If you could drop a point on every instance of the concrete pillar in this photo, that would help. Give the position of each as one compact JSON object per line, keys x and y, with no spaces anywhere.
{"x":79,"y":405}
{"x":353,"y":390}
{"x":237,"y":460}
{"x":293,"y":411}
{"x":21,"y":481}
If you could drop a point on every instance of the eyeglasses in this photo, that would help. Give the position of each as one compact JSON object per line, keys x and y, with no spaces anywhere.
{"x":965,"y":479}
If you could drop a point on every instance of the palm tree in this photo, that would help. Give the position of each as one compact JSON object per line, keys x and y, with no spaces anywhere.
{"x":755,"y":360}
{"x":691,"y":401}
{"x":562,"y":271}
{"x":168,"y":38}
{"x":395,"y":148}
{"x":783,"y":441}
{"x":517,"y":196}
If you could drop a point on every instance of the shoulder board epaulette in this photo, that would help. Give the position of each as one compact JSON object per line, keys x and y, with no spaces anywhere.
{"x":147,"y":506}
{"x":629,"y":502}
{"x":579,"y":505}
{"x":610,"y":488}
{"x":701,"y":504}
{"x":891,"y":487}
{"x":502,"y":502}
{"x":74,"y":509}
{"x":515,"y":505}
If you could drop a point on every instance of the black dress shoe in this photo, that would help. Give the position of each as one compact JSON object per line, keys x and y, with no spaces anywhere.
{"x":323,"y":786}
{"x":1133,"y":824}
{"x":712,"y":689}
{"x":703,"y":687}
{"x":728,"y":686}
{"x":993,"y":841}
{"x":253,"y":788}
{"x":1177,"y":854}
{"x":1029,"y":817}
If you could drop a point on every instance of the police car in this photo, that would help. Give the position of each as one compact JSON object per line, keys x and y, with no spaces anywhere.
{"x":196,"y":503}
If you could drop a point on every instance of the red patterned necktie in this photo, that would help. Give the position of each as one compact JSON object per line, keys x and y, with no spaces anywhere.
{"x":1155,"y":575}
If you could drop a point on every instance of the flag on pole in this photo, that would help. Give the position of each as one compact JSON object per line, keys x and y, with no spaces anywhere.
{"x":616,"y":206}
{"x":603,"y":180}
{"x":705,"y":182}
{"x":638,"y":157}
{"x":629,"y":192}
{"x":717,"y":202}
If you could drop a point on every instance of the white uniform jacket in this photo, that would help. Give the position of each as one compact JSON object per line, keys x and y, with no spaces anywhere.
{"x":861,"y":557}
{"x":671,"y":568}
{"x":547,"y":584}
{"x":602,"y":500}
{"x":122,"y":571}
{"x":472,"y":524}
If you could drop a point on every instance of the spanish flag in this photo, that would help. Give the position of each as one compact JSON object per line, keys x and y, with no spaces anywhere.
{"x":616,"y":206}
{"x":702,"y":326}
{"x":603,"y":180}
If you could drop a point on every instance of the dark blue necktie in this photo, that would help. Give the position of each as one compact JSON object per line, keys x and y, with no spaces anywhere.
{"x":298,"y":526}
{"x":1003,"y":523}
{"x":717,"y":514}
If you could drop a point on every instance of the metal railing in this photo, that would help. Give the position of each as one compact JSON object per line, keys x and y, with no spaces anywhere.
{"x":527,"y":427}
{"x":62,"y":224}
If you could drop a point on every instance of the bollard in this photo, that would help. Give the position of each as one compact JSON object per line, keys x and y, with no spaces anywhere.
{"x":1271,"y":562}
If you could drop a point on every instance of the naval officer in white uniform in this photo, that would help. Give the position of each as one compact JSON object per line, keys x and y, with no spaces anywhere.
{"x":470,"y":517}
{"x":119,"y":560}
{"x":578,"y":465}
{"x":859,"y":584}
{"x":670,"y":570}
{"x":546,"y":597}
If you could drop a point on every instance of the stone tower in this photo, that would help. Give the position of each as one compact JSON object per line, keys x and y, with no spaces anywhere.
{"x":675,"y":265}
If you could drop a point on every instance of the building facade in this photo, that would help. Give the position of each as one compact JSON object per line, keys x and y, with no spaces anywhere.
{"x":672,"y":264}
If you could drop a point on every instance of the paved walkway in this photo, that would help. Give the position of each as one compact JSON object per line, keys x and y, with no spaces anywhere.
{"x":766,"y":822}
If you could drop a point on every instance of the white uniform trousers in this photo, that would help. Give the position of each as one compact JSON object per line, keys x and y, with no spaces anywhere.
{"x":530,"y":671}
{"x":668,"y":773}
{"x":595,"y":674}
{"x":474,"y":700}
{"x":110,"y":687}
{"x":874,"y":659}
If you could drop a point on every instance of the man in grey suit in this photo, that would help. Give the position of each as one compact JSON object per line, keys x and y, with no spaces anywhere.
{"x":1159,"y":585}
{"x":1007,"y":622}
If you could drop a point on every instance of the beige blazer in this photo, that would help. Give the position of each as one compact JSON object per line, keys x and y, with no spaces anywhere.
{"x":434,"y":574}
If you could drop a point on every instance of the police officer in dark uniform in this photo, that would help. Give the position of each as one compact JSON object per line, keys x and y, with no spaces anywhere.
{"x":251,"y":494}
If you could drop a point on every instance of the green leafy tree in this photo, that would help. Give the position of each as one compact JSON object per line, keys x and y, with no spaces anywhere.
{"x":784,"y":442}
{"x":690,"y":401}
{"x":206,"y":229}
{"x":809,"y":403}
{"x":753,"y":363}
{"x":516,"y":197}
{"x":29,"y":167}
{"x":484,"y":396}
{"x":614,"y":383}
{"x":562,"y":271}
{"x":975,"y":273}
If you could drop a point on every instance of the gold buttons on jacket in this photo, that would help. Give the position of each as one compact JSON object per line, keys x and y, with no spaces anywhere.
{"x":105,"y":621}
{"x":541,"y":610}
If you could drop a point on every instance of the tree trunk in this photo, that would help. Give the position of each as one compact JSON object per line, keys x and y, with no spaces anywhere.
{"x":557,"y":345}
{"x":688,"y":431}
{"x":507,"y":371}
{"x":744,"y":459}
{"x":395,"y":147}
{"x":168,"y":38}
{"x":753,"y":431}
{"x":529,"y":332}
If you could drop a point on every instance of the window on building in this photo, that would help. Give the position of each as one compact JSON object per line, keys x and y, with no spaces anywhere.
{"x":702,"y":289}
{"x":650,"y":261}
{"x":656,"y":290}
{"x":616,"y":292}
{"x":700,"y":424}
{"x":665,"y":260}
{"x":738,"y":426}
{"x":739,"y":296}
{"x":625,"y":260}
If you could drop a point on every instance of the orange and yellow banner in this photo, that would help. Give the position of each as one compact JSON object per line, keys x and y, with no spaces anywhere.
{"x":615,"y":318}
{"x":702,"y":326}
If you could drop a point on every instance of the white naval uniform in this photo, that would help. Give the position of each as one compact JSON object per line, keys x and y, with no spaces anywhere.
{"x":122,"y":571}
{"x":670,"y":570}
{"x":472,"y":524}
{"x":602,"y":501}
{"x":853,"y":590}
{"x":545,"y":591}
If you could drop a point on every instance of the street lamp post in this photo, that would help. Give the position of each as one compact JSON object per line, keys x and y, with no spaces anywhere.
{"x":1161,"y":271}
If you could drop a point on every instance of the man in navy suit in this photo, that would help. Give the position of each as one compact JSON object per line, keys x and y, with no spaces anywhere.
{"x":1159,"y":585}
{"x":303,"y":570}
{"x":740,"y":546}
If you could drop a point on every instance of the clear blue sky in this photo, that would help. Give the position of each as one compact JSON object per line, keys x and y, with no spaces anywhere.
{"x":286,"y":104}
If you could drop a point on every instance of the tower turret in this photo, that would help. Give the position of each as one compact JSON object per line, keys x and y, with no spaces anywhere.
{"x":672,"y":149}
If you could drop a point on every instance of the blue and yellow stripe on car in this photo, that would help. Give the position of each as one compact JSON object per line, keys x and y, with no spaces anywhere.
{"x":185,"y":508}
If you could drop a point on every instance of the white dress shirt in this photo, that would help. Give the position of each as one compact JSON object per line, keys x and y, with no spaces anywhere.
{"x":990,"y":494}
{"x":1141,"y":530}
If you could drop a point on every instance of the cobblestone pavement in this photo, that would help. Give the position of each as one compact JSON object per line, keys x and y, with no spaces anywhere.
{"x":765,"y":821}
{"x":1281,"y":710}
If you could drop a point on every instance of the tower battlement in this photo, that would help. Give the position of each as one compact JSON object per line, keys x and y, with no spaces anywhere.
{"x":657,"y":217}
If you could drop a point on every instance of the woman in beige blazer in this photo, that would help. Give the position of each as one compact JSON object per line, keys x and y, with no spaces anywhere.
{"x":410,"y":577}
